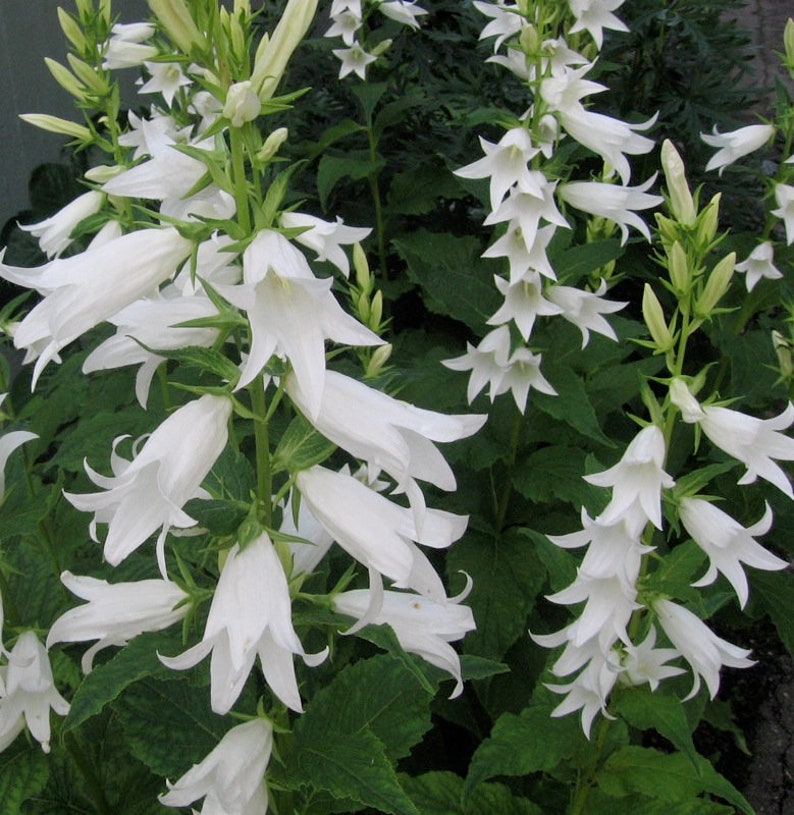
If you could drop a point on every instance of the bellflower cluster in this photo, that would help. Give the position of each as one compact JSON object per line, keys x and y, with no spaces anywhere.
{"x":526,"y":195}
{"x":190,"y":252}
{"x":347,"y":22}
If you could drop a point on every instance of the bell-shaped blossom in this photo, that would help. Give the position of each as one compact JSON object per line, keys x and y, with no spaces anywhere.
{"x":166,"y":79}
{"x":84,"y":290}
{"x":756,"y":443}
{"x":116,"y":612}
{"x":387,"y":434}
{"x":523,"y":302}
{"x":759,"y":265}
{"x":594,"y":16}
{"x":705,"y":652}
{"x":8,"y":443}
{"x":231,"y":777}
{"x":28,"y":692}
{"x":422,"y":626}
{"x":291,"y":313}
{"x":250,"y":616}
{"x":728,"y":544}
{"x":402,"y":11}
{"x":505,"y":163}
{"x":637,"y":480}
{"x":149,"y":492}
{"x":354,"y":60}
{"x":55,"y":233}
{"x":524,"y":261}
{"x":345,"y":24}
{"x":379,"y":533}
{"x":126,"y":48}
{"x":645,"y":663}
{"x":585,"y":309}
{"x":588,"y":692}
{"x":325,"y":238}
{"x":736,"y":144}
{"x":526,"y":208}
{"x":613,"y":202}
{"x":310,"y":541}
{"x":148,"y":135}
{"x":505,"y":21}
{"x":784,"y":195}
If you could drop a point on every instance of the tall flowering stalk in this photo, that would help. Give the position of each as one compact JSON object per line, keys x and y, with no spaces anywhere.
{"x":195,"y":252}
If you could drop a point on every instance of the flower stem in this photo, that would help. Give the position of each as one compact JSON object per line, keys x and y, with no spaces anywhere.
{"x":264,"y":472}
{"x":584,"y":783}
{"x":374,"y":186}
{"x":239,"y":178}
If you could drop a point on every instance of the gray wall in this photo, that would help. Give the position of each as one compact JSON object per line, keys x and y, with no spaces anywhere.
{"x":29,"y":31}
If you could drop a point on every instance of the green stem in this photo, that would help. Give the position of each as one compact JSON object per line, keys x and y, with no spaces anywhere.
{"x":264,"y":472}
{"x":507,"y":491}
{"x":240,"y":178}
{"x":584,"y":783}
{"x":374,"y":186}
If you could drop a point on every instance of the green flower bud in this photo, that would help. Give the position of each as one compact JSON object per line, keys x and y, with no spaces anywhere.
{"x":654,"y":318}
{"x":678,"y":266}
{"x":718,"y":283}
{"x":361,"y":266}
{"x":378,"y":360}
{"x":86,"y":74}
{"x":529,"y":39}
{"x":72,"y":31}
{"x":708,"y":221}
{"x":54,"y":124}
{"x":381,"y":48}
{"x":175,"y":18}
{"x":272,"y":144}
{"x":681,"y":202}
{"x":65,"y":78}
{"x":242,"y":104}
{"x":376,"y":311}
{"x":272,"y":58}
{"x":782,"y":348}
{"x":788,"y":44}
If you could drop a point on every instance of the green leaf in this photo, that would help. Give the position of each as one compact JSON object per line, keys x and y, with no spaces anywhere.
{"x":633,"y":771}
{"x":301,"y":447}
{"x":356,"y":164}
{"x":23,"y":775}
{"x":555,"y":472}
{"x":416,"y":191}
{"x":527,"y":743}
{"x":573,"y":263}
{"x":169,"y":725}
{"x":218,"y":517}
{"x":775,"y":593}
{"x":106,"y":682}
{"x":572,"y":403}
{"x":205,"y":359}
{"x":439,"y":793}
{"x":648,"y":710}
{"x":455,"y":280}
{"x":677,"y":571}
{"x":508,"y":577}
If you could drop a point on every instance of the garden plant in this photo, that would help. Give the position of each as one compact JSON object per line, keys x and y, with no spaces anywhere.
{"x":390,"y":422}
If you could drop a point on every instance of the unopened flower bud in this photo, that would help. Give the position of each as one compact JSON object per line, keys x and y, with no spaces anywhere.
{"x":271,"y":60}
{"x":72,"y":31}
{"x":782,"y":348}
{"x":65,"y":78}
{"x":272,"y":144}
{"x":681,"y":202}
{"x":654,"y":318}
{"x":55,"y":124}
{"x":682,"y":398}
{"x":708,"y":221}
{"x":103,"y":172}
{"x":716,"y":286}
{"x":381,"y":48}
{"x":678,"y":265}
{"x":529,"y":39}
{"x":668,"y":228}
{"x":242,"y":104}
{"x":788,"y":44}
{"x":378,"y":359}
{"x":376,"y":311}
{"x":175,"y":18}
{"x":361,"y":265}
{"x":87,"y":75}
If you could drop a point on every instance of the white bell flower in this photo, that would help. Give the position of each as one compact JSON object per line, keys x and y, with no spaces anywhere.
{"x":354,"y":60}
{"x":523,"y":302}
{"x":8,"y":443}
{"x":402,"y":11}
{"x":736,"y":144}
{"x":784,"y":195}
{"x":505,"y":21}
{"x":231,"y":777}
{"x":326,"y":238}
{"x":584,"y":309}
{"x":594,"y":16}
{"x":728,"y":544}
{"x":126,"y":48}
{"x":699,"y":645}
{"x":250,"y":616}
{"x":149,"y":492}
{"x":422,"y":626}
{"x":54,"y":233}
{"x":28,"y":692}
{"x":759,"y":265}
{"x":644,"y":663}
{"x":116,"y":612}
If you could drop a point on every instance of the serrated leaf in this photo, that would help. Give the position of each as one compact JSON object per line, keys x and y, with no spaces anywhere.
{"x":633,"y":771}
{"x":107,"y":681}
{"x":23,"y":775}
{"x":577,"y":261}
{"x":349,"y":765}
{"x":572,"y":403}
{"x":439,"y":793}
{"x":456,"y":281}
{"x":301,"y":447}
{"x":775,"y":592}
{"x":218,"y":517}
{"x":507,"y":578}
{"x":678,"y":570}
{"x":555,"y":472}
{"x":169,"y":725}
{"x":355,"y":165}
{"x":416,"y":191}
{"x":648,"y":710}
